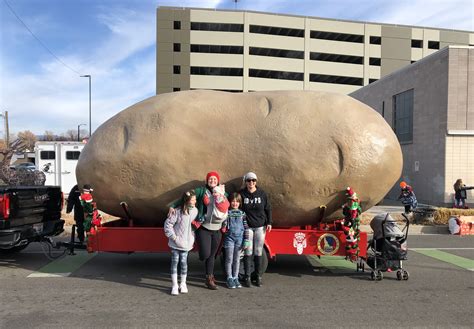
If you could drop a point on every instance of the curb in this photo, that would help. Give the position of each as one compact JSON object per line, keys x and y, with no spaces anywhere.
{"x":416,"y":229}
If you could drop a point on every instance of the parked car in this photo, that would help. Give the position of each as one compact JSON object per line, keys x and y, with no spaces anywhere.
{"x":24,"y":166}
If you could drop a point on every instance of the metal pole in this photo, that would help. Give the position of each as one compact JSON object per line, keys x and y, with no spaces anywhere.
{"x":6,"y":129}
{"x":90,"y":108}
{"x":90,"y":105}
{"x":78,"y":131}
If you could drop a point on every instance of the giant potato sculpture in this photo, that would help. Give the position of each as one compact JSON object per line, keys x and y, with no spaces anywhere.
{"x":306,"y":148}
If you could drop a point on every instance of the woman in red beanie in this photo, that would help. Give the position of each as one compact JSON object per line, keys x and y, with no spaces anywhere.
{"x":208,"y":225}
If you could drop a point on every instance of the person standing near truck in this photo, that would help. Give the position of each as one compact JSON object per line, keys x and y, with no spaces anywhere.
{"x":178,"y":230}
{"x":208,"y":226}
{"x":258,"y":210}
{"x":74,"y":202}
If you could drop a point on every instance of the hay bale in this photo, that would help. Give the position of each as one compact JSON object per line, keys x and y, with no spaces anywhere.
{"x":442,"y":214}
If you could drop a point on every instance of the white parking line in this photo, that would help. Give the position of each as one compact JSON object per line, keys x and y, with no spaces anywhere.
{"x":440,"y":248}
{"x":48,"y":275}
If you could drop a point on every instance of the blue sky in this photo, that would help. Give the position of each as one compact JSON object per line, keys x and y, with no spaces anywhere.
{"x":115,"y":42}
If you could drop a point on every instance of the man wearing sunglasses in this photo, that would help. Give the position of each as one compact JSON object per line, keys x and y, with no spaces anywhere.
{"x":259,"y":218}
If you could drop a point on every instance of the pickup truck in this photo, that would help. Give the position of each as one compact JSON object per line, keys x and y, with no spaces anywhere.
{"x":28,"y":214}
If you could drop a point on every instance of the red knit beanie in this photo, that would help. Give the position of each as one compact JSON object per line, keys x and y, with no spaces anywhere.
{"x":215,"y":174}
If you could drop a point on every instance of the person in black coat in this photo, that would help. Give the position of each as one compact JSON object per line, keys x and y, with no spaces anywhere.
{"x":460,"y":194}
{"x":73,"y":201}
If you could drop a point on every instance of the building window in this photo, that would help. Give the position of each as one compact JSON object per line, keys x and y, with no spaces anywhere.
{"x":217,"y":49}
{"x":281,"y":75}
{"x":273,"y":30}
{"x":227,"y":71}
{"x":372,"y":80}
{"x":357,"y":38}
{"x":336,"y":79}
{"x":72,"y":155}
{"x":177,"y":47}
{"x":217,"y":27}
{"x":375,"y":40}
{"x":276,"y":52}
{"x":417,"y":43}
{"x":336,"y":58}
{"x":48,"y":155}
{"x":374,"y":61}
{"x":177,"y":25}
{"x":403,"y":116}
{"x":433,"y":44}
{"x":176,"y":89}
{"x":176,"y":69}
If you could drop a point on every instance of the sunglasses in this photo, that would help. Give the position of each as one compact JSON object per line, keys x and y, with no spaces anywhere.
{"x":251,"y":180}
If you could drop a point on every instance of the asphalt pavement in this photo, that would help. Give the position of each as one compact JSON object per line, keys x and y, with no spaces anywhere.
{"x":111,"y":290}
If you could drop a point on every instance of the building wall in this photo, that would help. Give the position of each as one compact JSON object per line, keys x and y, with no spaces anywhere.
{"x":460,"y":139}
{"x":443,"y":100}
{"x":352,"y":64}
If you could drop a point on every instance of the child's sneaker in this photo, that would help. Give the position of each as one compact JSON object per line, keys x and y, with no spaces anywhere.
{"x":175,"y":290}
{"x":230,"y":283}
{"x":237,"y":283}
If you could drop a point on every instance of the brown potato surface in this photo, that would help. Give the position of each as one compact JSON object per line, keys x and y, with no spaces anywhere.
{"x":306,"y":147}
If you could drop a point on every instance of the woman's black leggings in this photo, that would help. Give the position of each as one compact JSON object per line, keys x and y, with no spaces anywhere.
{"x":208,"y":242}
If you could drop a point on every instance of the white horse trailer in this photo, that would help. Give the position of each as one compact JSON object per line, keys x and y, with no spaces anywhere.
{"x":58,"y":161}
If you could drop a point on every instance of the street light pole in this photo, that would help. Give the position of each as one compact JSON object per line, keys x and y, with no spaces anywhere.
{"x":78,"y":133}
{"x":90,"y":107}
{"x":7,"y":133}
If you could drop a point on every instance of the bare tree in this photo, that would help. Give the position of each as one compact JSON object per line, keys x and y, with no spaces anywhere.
{"x":49,"y":136}
{"x":18,"y":177}
{"x":70,"y":135}
{"x":28,"y":139}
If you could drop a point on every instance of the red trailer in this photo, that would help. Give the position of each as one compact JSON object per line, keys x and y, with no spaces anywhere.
{"x":325,"y":239}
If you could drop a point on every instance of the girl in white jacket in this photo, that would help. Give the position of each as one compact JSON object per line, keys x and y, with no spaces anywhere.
{"x":179,"y":231}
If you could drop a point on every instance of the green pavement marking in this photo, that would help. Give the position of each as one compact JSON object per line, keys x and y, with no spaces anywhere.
{"x":462,"y":262}
{"x":335,"y":264}
{"x":64,"y":266}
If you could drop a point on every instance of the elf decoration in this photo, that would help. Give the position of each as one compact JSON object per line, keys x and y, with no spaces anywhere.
{"x":351,"y":224}
{"x":92,"y":217}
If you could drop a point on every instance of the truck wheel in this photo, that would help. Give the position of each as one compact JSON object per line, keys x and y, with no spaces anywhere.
{"x":12,"y":250}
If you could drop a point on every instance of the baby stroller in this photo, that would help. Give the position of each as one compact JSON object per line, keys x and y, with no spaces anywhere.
{"x":388,"y":248}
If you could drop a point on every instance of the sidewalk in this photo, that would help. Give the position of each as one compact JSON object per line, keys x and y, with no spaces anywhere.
{"x":414,"y":229}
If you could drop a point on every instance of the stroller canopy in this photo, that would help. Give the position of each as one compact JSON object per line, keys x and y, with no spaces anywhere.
{"x":390,"y":227}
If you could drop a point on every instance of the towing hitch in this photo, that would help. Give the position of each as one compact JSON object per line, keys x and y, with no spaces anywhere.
{"x":70,"y":246}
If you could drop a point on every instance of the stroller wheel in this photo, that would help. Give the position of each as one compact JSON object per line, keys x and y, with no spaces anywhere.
{"x":372,"y":275}
{"x":406,"y":275}
{"x":376,"y":275}
{"x":379,"y":275}
{"x":399,"y":275}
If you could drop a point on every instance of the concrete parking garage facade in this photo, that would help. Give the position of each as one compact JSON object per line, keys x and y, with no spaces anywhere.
{"x":251,"y":51}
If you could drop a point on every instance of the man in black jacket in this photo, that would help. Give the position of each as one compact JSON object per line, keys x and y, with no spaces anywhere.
{"x":73,"y":201}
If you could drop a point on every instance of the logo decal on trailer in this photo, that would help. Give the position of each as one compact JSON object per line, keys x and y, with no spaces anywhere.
{"x":328,"y":244}
{"x":299,"y":242}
